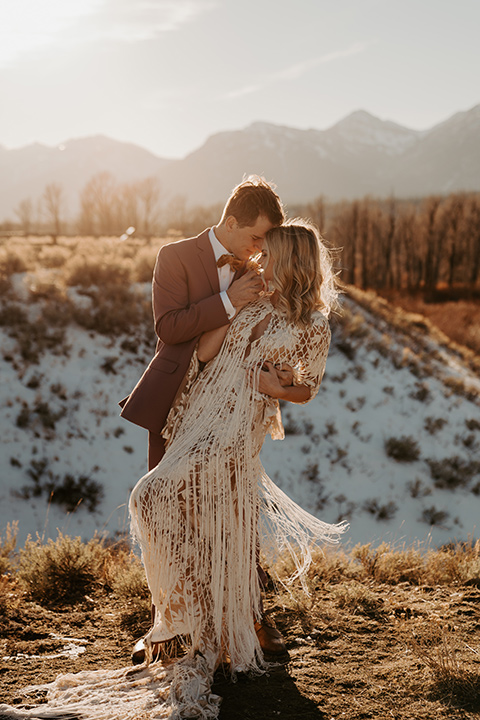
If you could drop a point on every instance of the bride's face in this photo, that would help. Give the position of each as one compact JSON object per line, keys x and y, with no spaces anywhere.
{"x":266,"y":261}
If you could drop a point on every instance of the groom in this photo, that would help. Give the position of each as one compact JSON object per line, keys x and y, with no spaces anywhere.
{"x":191,"y":295}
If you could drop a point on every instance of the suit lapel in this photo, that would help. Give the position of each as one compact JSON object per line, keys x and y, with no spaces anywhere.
{"x":207,"y":259}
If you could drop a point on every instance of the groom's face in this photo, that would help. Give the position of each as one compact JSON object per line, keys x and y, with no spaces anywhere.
{"x":247,"y":241}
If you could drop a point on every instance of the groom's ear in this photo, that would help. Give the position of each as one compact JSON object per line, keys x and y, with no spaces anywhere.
{"x":231,"y":223}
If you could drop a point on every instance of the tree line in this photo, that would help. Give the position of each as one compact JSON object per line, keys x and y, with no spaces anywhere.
{"x":109,"y":208}
{"x":388,"y":244}
{"x":392,"y":244}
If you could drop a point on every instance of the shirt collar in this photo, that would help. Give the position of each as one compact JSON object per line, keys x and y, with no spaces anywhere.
{"x":217,"y":246}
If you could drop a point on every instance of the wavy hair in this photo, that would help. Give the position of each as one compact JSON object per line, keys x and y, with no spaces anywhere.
{"x":302,"y":270}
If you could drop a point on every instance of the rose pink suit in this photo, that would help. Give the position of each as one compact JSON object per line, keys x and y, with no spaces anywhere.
{"x":186,"y":303}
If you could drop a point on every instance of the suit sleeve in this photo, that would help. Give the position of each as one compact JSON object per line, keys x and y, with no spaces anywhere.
{"x":176,"y":320}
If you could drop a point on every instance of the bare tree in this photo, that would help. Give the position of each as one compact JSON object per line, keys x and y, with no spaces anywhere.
{"x":316,"y":212}
{"x":148,"y":192}
{"x":98,"y":201}
{"x":473,"y":240}
{"x":53,"y":202}
{"x":128,"y":211}
{"x":176,"y":213}
{"x":24,"y":212}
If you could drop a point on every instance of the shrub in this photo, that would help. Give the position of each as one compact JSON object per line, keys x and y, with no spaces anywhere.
{"x":432,"y":425}
{"x":53,"y":257}
{"x":114,"y":310}
{"x":421,"y":393}
{"x":392,"y":565}
{"x":388,"y":565}
{"x":432,"y":516}
{"x":417,"y":489}
{"x":472,"y":424}
{"x":48,"y":418}
{"x":7,"y":546}
{"x":311,"y":472}
{"x":346,"y":348}
{"x":23,"y":417}
{"x":290,"y":426}
{"x":62,"y":570}
{"x":143,"y":264}
{"x":12,"y":315}
{"x":356,"y":596}
{"x":88,"y":272}
{"x":453,"y":472}
{"x":12,"y":262}
{"x":330,"y":429}
{"x":127,"y":578}
{"x":70,"y":492}
{"x":403,"y":449}
{"x":381,"y":512}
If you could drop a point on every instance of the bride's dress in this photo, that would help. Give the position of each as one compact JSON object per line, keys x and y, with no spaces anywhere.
{"x":204,"y":514}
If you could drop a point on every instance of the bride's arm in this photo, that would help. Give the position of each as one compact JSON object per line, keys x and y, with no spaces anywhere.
{"x":210,"y":343}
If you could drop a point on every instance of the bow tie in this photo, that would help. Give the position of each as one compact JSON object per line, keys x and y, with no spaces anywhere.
{"x":231,"y":260}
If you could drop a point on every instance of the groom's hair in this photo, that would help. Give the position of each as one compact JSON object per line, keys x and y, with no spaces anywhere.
{"x":252,"y":198}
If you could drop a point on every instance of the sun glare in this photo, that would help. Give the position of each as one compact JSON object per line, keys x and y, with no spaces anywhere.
{"x":28,"y":25}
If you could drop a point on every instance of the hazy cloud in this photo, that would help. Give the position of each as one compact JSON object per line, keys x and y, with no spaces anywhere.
{"x":247,"y":90}
{"x":133,"y":20}
{"x":295,"y":71}
{"x":27,"y":26}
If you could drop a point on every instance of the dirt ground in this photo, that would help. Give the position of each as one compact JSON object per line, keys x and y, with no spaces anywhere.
{"x":350,"y":652}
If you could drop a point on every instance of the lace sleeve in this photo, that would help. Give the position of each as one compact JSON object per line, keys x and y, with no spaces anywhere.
{"x":311,"y":352}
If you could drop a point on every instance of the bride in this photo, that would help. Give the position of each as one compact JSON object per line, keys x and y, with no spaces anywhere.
{"x":200,"y":515}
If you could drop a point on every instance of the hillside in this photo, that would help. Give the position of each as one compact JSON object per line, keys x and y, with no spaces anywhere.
{"x":390,"y":443}
{"x":359,"y":155}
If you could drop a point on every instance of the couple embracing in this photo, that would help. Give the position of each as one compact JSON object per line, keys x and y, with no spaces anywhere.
{"x":241,"y":318}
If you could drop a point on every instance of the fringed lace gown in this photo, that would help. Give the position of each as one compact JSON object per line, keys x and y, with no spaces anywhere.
{"x":202,"y":515}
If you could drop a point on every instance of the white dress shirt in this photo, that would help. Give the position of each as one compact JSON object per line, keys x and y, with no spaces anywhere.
{"x":225,"y":273}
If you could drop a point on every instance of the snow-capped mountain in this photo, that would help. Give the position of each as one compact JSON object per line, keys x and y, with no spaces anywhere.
{"x":359,"y":155}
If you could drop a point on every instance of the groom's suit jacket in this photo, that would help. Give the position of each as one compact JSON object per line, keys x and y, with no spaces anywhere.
{"x":186,"y":303}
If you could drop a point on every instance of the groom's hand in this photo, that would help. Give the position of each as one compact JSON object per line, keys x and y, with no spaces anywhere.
{"x":245,"y":289}
{"x":284,"y":374}
{"x":272,"y":380}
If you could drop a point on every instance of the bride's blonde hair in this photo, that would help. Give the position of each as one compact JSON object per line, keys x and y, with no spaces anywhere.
{"x":302,"y":270}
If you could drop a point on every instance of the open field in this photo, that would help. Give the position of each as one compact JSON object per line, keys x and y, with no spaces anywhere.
{"x":391,"y":633}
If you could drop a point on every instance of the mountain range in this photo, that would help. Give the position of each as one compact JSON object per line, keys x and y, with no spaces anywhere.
{"x":359,"y":155}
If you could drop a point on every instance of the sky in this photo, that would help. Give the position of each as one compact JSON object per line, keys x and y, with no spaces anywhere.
{"x":167,"y":74}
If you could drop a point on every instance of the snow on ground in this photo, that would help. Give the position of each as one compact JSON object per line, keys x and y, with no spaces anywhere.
{"x":60,"y":417}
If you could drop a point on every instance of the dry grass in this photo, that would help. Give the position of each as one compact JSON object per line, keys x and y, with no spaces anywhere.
{"x":453,"y":681}
{"x":384,"y":632}
{"x":7,"y":547}
{"x":459,"y":320}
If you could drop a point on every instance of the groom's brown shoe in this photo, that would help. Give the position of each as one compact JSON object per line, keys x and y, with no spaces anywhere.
{"x":270,"y":639}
